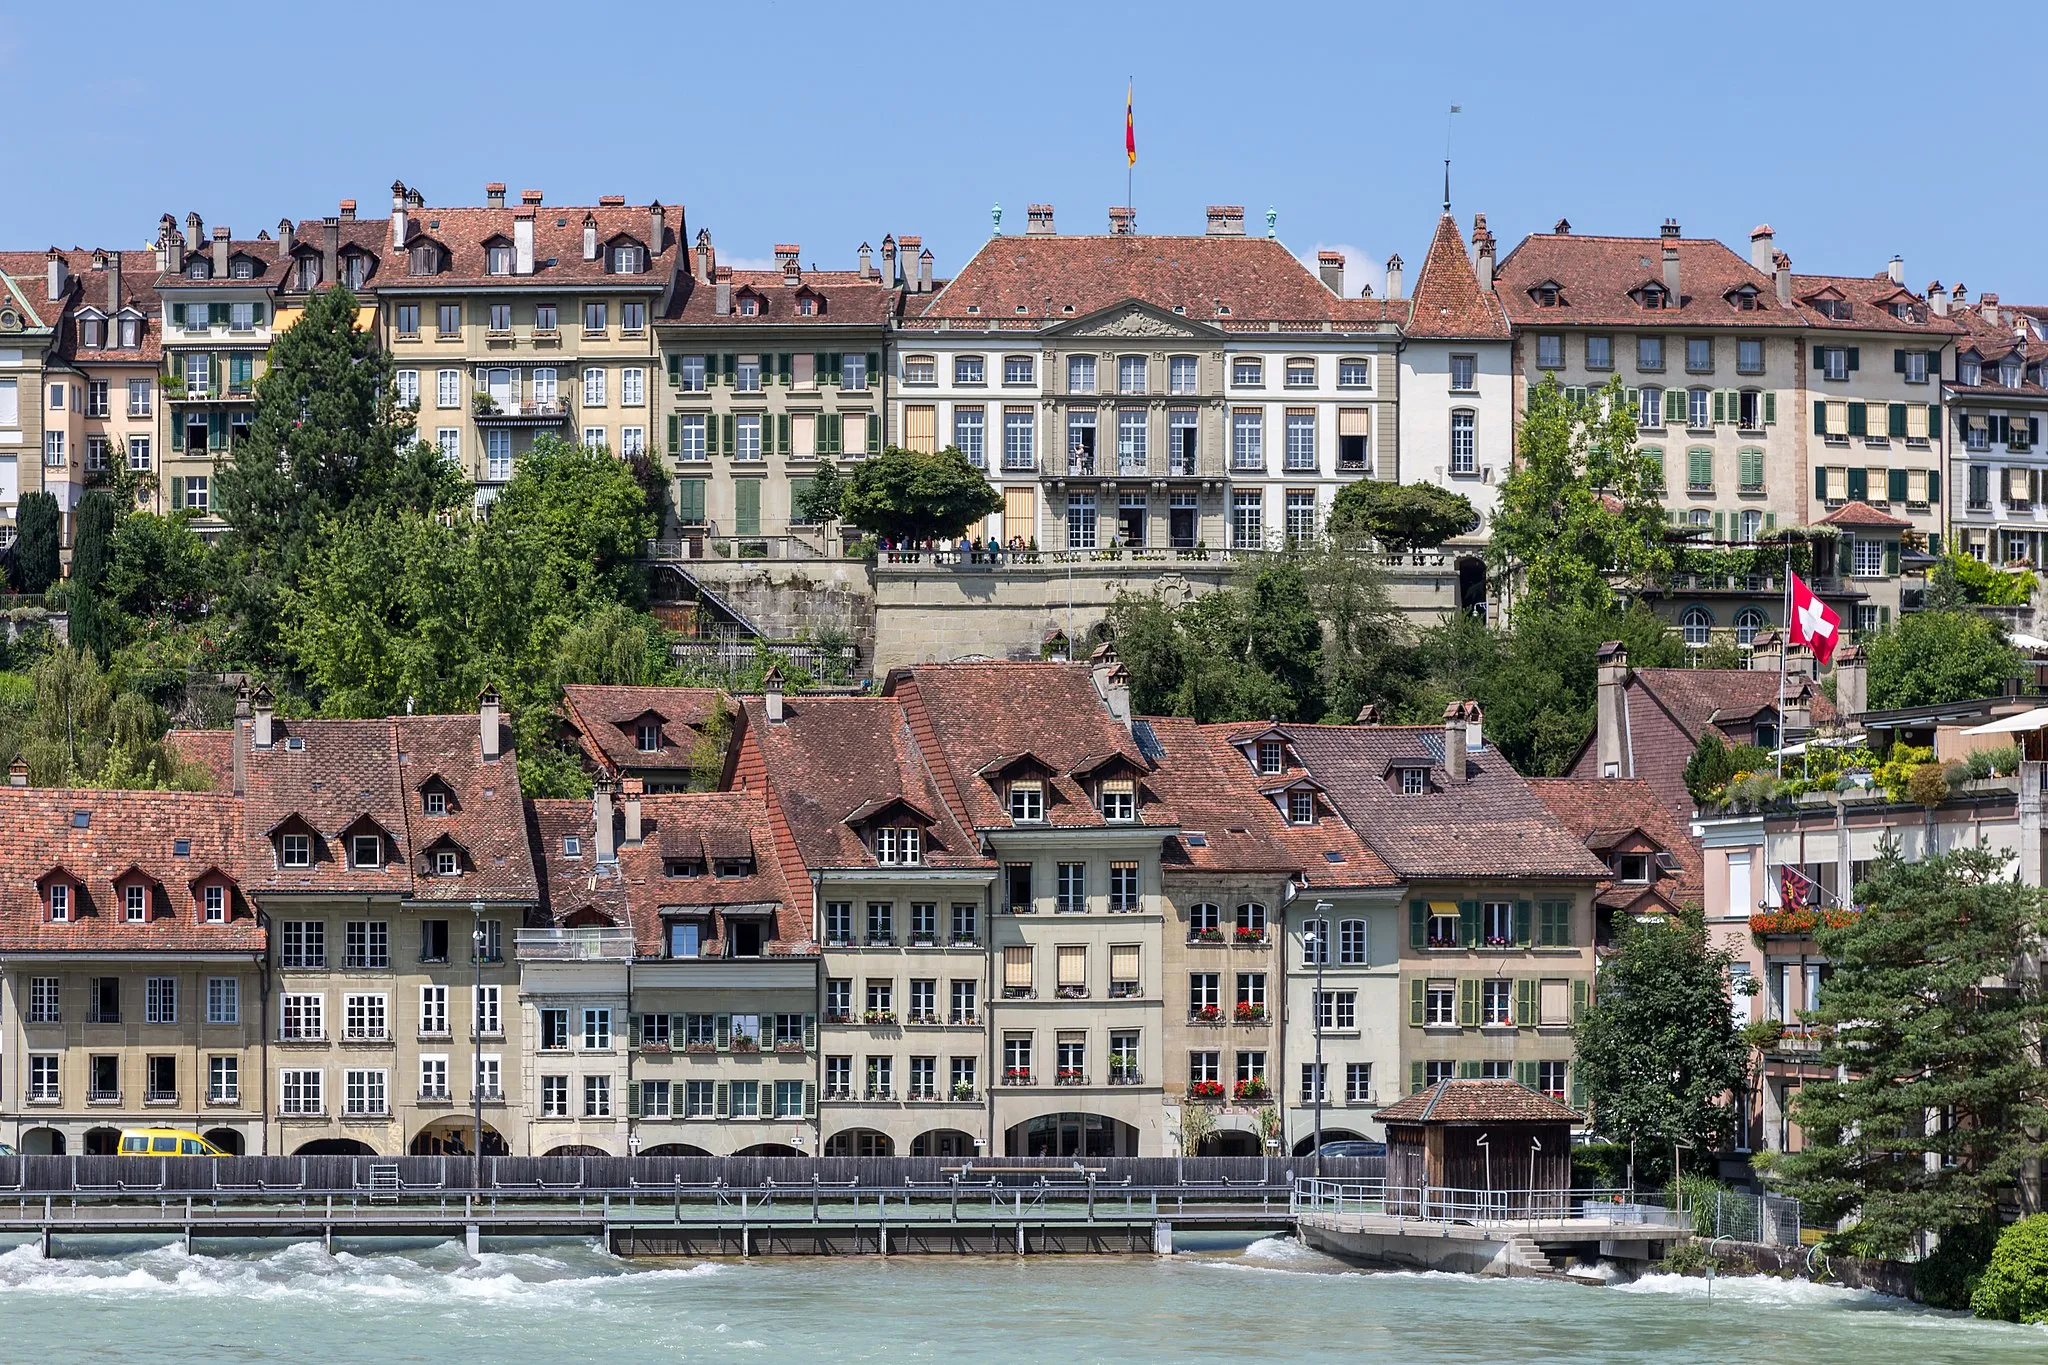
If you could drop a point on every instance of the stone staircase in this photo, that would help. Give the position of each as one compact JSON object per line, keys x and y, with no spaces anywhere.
{"x":1523,"y":1256}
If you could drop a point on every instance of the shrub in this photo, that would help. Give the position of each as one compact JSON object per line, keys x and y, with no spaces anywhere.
{"x":1946,"y":1278}
{"x":1928,"y":785}
{"x":2014,"y":1285}
{"x":1600,"y":1166}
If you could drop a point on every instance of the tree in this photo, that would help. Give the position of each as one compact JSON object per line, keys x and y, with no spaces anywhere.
{"x":1582,"y":504}
{"x":910,"y":495}
{"x":1658,"y":1050}
{"x":818,"y":500}
{"x":2014,"y":1286}
{"x":1932,"y":657}
{"x":1933,"y":1026}
{"x":581,"y":517}
{"x":1401,"y":517}
{"x":92,"y":534}
{"x":1250,"y":650}
{"x":80,"y":732}
{"x":158,"y":566}
{"x":36,"y":564}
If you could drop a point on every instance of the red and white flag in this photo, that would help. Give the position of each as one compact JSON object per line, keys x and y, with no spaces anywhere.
{"x":1814,"y":623}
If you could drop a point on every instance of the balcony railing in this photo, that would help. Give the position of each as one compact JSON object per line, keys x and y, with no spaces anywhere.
{"x":573,"y":945}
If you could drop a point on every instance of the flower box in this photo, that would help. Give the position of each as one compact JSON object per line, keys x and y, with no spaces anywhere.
{"x":1070,"y":1078}
{"x":1206,"y":1014}
{"x":1766,"y":923}
{"x":1249,"y":1090}
{"x":699,"y":1047}
{"x":745,"y":1045}
{"x":1250,"y":937}
{"x":1206,"y":1090}
{"x":839,"y":1018}
{"x":789,"y":1048}
{"x":1250,"y":1014}
{"x":879,"y":1017}
{"x":1206,"y":936}
{"x":654,"y":1047}
{"x":1017,"y":1076}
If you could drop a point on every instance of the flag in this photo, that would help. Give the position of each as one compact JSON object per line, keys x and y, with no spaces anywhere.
{"x":1795,"y":889}
{"x":1130,"y":132}
{"x":1814,"y":623}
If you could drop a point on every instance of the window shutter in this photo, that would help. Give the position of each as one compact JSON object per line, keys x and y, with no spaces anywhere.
{"x":782,"y":433}
{"x":722,"y":1032}
{"x":177,"y":492}
{"x":1415,"y":1078}
{"x":722,"y":1095}
{"x":1468,"y":1002}
{"x":178,"y":314}
{"x":729,"y":363}
{"x":1899,"y":361}
{"x":1417,"y":988}
{"x":725,"y":433}
{"x":1856,"y":420}
{"x":1820,"y":483}
{"x":1525,"y":1002}
{"x":674,"y":425}
{"x":1750,"y":467}
{"x":678,"y":1030}
{"x":1895,"y":419}
{"x":810,"y":1099}
{"x":1859,"y":484}
{"x":782,"y":366}
{"x":1820,"y":358}
{"x":1770,"y":521}
{"x":1933,"y":419}
{"x":217,"y":314}
{"x":875,"y":434}
{"x":633,"y":1101}
{"x":1418,"y":923}
{"x":835,"y":357}
{"x":1855,"y":359}
{"x":1891,"y":558}
{"x":675,"y":368}
{"x":1720,"y":408}
{"x":874,"y":366}
{"x":1934,"y":486}
{"x":1525,"y":1074}
{"x":1884,"y":616}
{"x":1522,"y":924}
{"x":1468,"y":1071}
{"x":1468,"y":923}
{"x":1895,"y":485}
{"x":1578,"y":1092}
{"x":1720,"y":528}
{"x":256,"y":312}
{"x":1820,"y":417}
{"x":819,"y":369}
{"x":1934,"y":544}
{"x":1770,"y":407}
{"x":810,"y":1032}
{"x":1579,"y":993}
{"x":2033,"y":431}
{"x":633,"y":1024}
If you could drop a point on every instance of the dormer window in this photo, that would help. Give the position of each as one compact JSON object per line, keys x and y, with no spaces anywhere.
{"x":366,"y":850}
{"x":1969,"y":371}
{"x":649,"y":736}
{"x":435,"y":801}
{"x":683,"y":867}
{"x":1745,"y":299}
{"x":572,"y":846}
{"x":1545,"y":295}
{"x":423,"y":260}
{"x":242,"y":268}
{"x":1119,"y":799}
{"x":1653,"y":296}
{"x":309,"y":273}
{"x":1301,"y":807}
{"x":744,"y":867}
{"x":626,"y":260}
{"x":899,"y":845}
{"x":60,"y":903}
{"x":356,"y":269}
{"x":215,"y":899}
{"x":135,"y":904}
{"x":806,"y":308}
{"x":750,"y":307}
{"x":1414,"y":781}
{"x":92,"y":333}
{"x":1027,"y":802}
{"x":447,"y":863}
{"x":295,"y":850}
{"x":2009,"y":374}
{"x":1632,"y":867}
{"x":498,"y":260}
{"x":199,"y":268}
{"x":1272,"y":756}
{"x":131,"y":333}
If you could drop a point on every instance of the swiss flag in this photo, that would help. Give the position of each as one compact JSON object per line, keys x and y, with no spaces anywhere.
{"x":1814,"y":623}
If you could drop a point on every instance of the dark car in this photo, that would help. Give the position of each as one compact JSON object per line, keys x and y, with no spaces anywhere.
{"x":1352,"y":1149}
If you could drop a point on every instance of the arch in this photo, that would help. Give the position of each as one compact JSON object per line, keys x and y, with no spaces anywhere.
{"x":1697,"y":625}
{"x":575,"y":1149}
{"x":768,"y":1149}
{"x":1071,"y":1134}
{"x":860,"y":1142}
{"x":452,"y":1135}
{"x":102,"y":1142}
{"x":1307,"y":1146}
{"x":1748,"y":622}
{"x":42,"y":1142}
{"x":229,"y":1140}
{"x":335,"y":1147}
{"x":1229,"y":1142}
{"x":673,"y":1149}
{"x":942,"y":1142}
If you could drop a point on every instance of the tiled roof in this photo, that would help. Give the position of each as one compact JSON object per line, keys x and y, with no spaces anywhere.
{"x":636,"y":889}
{"x":1597,"y":275}
{"x":1695,"y":696}
{"x":124,"y":832}
{"x":844,"y":299}
{"x":1993,"y":342}
{"x":1472,"y":1101}
{"x":88,"y":289}
{"x":604,"y":720}
{"x":1490,"y":825}
{"x":1869,"y":298}
{"x":1228,"y":827}
{"x":1601,"y":809}
{"x":369,"y":236}
{"x":1857,"y":513}
{"x":24,"y":283}
{"x":269,"y":272}
{"x":1448,"y":301}
{"x":971,"y":716}
{"x":557,"y":245}
{"x":1256,"y":278}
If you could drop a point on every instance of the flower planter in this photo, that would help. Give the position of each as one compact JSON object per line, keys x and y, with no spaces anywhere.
{"x":1208,"y":1014}
{"x":1206,"y":1090}
{"x":699,"y":1047}
{"x":1250,"y":1090}
{"x":1206,"y":936}
{"x":790,"y":1049}
{"x":1070,"y":1078}
{"x":879,"y":1017}
{"x":654,"y":1047}
{"x":1250,"y":1014}
{"x":745,"y":1045}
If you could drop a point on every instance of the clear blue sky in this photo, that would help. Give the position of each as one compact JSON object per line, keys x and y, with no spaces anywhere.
{"x":829,"y":124}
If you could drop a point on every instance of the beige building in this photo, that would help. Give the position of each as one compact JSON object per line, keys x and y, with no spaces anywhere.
{"x":37,"y":426}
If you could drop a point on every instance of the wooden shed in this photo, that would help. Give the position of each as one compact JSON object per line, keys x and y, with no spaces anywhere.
{"x":1462,"y":1146}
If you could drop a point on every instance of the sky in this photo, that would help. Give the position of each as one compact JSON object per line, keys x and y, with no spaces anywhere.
{"x":829,"y":125}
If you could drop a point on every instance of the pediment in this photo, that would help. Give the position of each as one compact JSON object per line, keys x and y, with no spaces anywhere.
{"x":1137,"y":320}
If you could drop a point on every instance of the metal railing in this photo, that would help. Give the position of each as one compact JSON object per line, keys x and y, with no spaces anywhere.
{"x":573,"y":945}
{"x":1442,"y":1204}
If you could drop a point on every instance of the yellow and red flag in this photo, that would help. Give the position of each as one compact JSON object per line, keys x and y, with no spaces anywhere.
{"x":1130,"y":132}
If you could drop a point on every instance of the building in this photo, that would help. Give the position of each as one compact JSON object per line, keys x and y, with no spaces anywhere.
{"x":1457,"y":370}
{"x":671,"y":739}
{"x":770,"y":374}
{"x":38,"y":429}
{"x":1653,"y":864}
{"x":1997,"y":393}
{"x":1166,"y":392}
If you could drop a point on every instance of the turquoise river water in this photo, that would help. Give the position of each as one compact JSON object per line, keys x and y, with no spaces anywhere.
{"x":1271,"y":1299}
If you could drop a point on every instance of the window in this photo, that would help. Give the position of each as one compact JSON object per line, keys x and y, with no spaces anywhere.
{"x":1182,"y":374}
{"x":1301,"y":807}
{"x":1697,"y":410}
{"x":1247,"y":440}
{"x":1698,"y":626}
{"x":1444,"y":928}
{"x":42,"y":1000}
{"x":1130,"y":374}
{"x":920,"y":369}
{"x":1017,"y":439}
{"x":1118,"y":799}
{"x":53,"y":450}
{"x":1017,"y":888}
{"x":1550,"y":1079}
{"x":302,"y":1092}
{"x":1017,"y":1058}
{"x":1440,"y":1003}
{"x":1549,"y":351}
{"x":1017,"y":369}
{"x":626,"y":260}
{"x":1351,"y":943}
{"x":699,"y":1097}
{"x":633,"y":387}
{"x":223,"y":1000}
{"x":488,"y":1022}
{"x":1301,"y":438}
{"x":305,"y":943}
{"x":1301,"y":374}
{"x":1132,"y":440}
{"x":1251,"y":991}
{"x":448,"y":441}
{"x":135,"y":903}
{"x":160,"y":1000}
{"x":1017,"y":972}
{"x":1072,"y":894}
{"x":969,"y":370}
{"x":1914,"y":366}
{"x":302,"y":1018}
{"x":1246,"y":373}
{"x":1205,"y":923}
{"x":1869,"y":558}
{"x":898,"y":845}
{"x":692,"y":443}
{"x":881,"y":922}
{"x":1749,"y":356}
{"x":139,"y":395}
{"x":1251,"y":1068}
{"x":969,"y":436}
{"x":1599,"y":353}
{"x":1699,"y":469}
{"x":60,"y":902}
{"x":500,"y":317}
{"x":1337,"y":1010}
{"x":1464,"y":442}
{"x":596,"y":319}
{"x":1248,"y":519}
{"x":365,"y":1092}
{"x":554,"y":1030}
{"x":363,"y":1018}
{"x":881,"y":1082}
{"x":1834,"y":362}
{"x":447,"y":863}
{"x":1123,"y":887}
{"x":1080,"y":374}
{"x":1205,"y":1068}
{"x":964,"y":922}
{"x":1650,"y":353}
{"x":223,"y":1080}
{"x":554,"y":1097}
{"x":1357,"y":374}
{"x":593,"y":388}
{"x":1699,"y":355}
{"x":597,"y":1030}
{"x":1496,"y":1001}
{"x":853,"y":371}
{"x":597,"y":1096}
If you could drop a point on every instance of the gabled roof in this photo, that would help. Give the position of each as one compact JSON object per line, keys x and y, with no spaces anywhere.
{"x":557,"y":245}
{"x":1868,"y":297}
{"x":1474,"y":1101}
{"x":1597,"y":275}
{"x":844,"y":298}
{"x":1603,"y":811}
{"x":1448,"y":301}
{"x":598,"y":713}
{"x":1863,"y":516}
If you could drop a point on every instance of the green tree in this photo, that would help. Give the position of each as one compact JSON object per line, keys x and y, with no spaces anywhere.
{"x":1931,"y":657}
{"x":92,"y":535}
{"x":1250,"y":650}
{"x":818,"y":500}
{"x":613,"y":644}
{"x":158,"y":566}
{"x":2014,"y":1286}
{"x":1401,"y":516}
{"x":1934,"y":1031}
{"x":910,"y":495}
{"x":36,"y":564}
{"x":581,"y":517}
{"x":1658,"y":1049}
{"x":81,"y":732}
{"x":1582,"y":504}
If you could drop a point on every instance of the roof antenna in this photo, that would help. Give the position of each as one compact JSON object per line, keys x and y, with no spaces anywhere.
{"x":1447,"y":157}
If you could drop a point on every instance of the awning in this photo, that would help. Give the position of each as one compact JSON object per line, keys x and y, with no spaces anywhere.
{"x":2026,"y":721}
{"x":2028,"y":642}
{"x":366,"y":319}
{"x":1443,"y":907}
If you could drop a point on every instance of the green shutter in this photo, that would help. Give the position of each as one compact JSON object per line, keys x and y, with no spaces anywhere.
{"x":675,"y":368}
{"x":782,"y":371}
{"x":1525,"y":1074}
{"x":1720,"y":525}
{"x":678,"y":1030}
{"x":1750,"y":467}
{"x":1820,"y":417}
{"x":725,"y":434}
{"x":632,"y":1100}
{"x":834,"y":358}
{"x":782,"y":433}
{"x":1418,"y":923}
{"x":1857,"y":426}
{"x":256,"y":312}
{"x":746,"y":516}
{"x":177,"y":492}
{"x":1934,"y":420}
{"x":1895,"y":419}
{"x":1859,"y":484}
{"x":1521,"y":924}
{"x":178,"y":314}
{"x":1770,"y":407}
{"x":1934,"y":544}
{"x":810,"y":1032}
{"x":1934,"y":488}
{"x":217,"y":314}
{"x":690,"y":500}
{"x":1564,"y":924}
{"x":1415,"y":1078}
{"x":1417,"y":989}
{"x":1884,"y":616}
{"x":1720,"y":408}
{"x":1578,"y":1092}
{"x":1770,"y":521}
{"x":1820,"y":482}
{"x":874,"y":368}
{"x":722,"y":1032}
{"x":722,"y":1100}
{"x":730,"y":365}
{"x":634,"y":1025}
{"x":1891,"y":558}
{"x":675,"y":422}
{"x":1578,"y":1001}
{"x":1468,"y":1071}
{"x":819,"y":367}
{"x":1468,"y":1002}
{"x":1895,"y":485}
{"x":1468,"y":923}
{"x":1855,"y":359}
{"x":874,"y":433}
{"x":216,"y":430}
{"x":810,"y":1099}
{"x":1525,"y":1002}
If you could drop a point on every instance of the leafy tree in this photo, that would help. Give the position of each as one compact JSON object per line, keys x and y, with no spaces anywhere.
{"x":1658,"y":1049}
{"x":158,"y":566}
{"x":613,"y":644}
{"x":80,"y":732}
{"x":1401,"y":516}
{"x":818,"y":500}
{"x":1365,"y":652}
{"x":1582,"y":503}
{"x":36,"y":564}
{"x":2014,"y":1287}
{"x":1714,"y":762}
{"x":910,"y":495}
{"x":1960,"y":579}
{"x":1931,"y":657}
{"x":92,"y":533}
{"x":1250,"y":650}
{"x":1940,"y":1108}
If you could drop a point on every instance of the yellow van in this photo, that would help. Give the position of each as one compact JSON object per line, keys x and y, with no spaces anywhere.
{"x":165,"y":1142}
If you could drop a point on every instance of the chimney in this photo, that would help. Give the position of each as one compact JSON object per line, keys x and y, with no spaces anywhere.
{"x":166,"y":228}
{"x":285,"y":239}
{"x":494,"y":194}
{"x":889,"y":275}
{"x":1368,"y":714}
{"x":1670,"y":234}
{"x":1123,"y":221}
{"x":220,"y":252}
{"x":238,"y":744}
{"x":266,"y":713}
{"x":867,"y":263}
{"x":1475,"y":732}
{"x":414,"y":200}
{"x":601,"y":815}
{"x":589,"y":236}
{"x":706,"y":257}
{"x":1454,"y":741}
{"x":490,"y":740}
{"x":1895,"y":271}
{"x":924,"y":271}
{"x":1330,"y":265}
{"x":529,"y":198}
{"x":771,"y":695}
{"x":906,"y":259}
{"x":1987,"y":308}
{"x":633,"y":787}
{"x":1038,"y":221}
{"x":1394,"y":276}
{"x":60,"y":274}
{"x":611,"y":201}
{"x":330,"y":249}
{"x":657,"y":229}
{"x":1852,"y":682}
{"x":1113,"y":685}
{"x":1562,"y":227}
{"x":398,"y":232}
{"x":195,"y":231}
{"x":17,"y":772}
{"x":792,"y":275}
{"x":1937,"y":298}
{"x":1763,"y":247}
{"x":787,"y":254}
{"x":522,"y":241}
{"x":1766,"y":651}
{"x":1226,"y":220}
{"x":1781,"y":276}
{"x":348,"y":210}
{"x":113,"y":283}
{"x":1612,"y":744}
{"x":721,"y":293}
{"x":1483,"y":241}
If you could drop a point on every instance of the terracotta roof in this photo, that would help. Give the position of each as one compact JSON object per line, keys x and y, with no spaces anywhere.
{"x":604,"y":719}
{"x":88,"y":289}
{"x":1695,"y":696}
{"x":269,"y":272}
{"x":1256,"y":278}
{"x":126,"y":836}
{"x":368,"y":236}
{"x":557,"y":245}
{"x":1448,"y":301}
{"x":1994,"y":342}
{"x":637,"y":889}
{"x":1490,"y":825}
{"x":1869,"y":298}
{"x":1862,"y":514}
{"x":843,"y":299}
{"x":1470,"y":1101}
{"x":1604,"y":810}
{"x":23,"y":275}
{"x":1596,"y":277}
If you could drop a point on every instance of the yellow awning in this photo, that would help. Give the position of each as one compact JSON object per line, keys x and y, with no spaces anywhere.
{"x":366,"y":318}
{"x":1443,"y":907}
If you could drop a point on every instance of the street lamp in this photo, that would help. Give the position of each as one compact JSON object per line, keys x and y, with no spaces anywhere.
{"x":1322,"y":927}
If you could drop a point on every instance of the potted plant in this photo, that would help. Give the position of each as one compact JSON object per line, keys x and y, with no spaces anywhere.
{"x":654,"y":1047}
{"x":1206,"y":1090}
{"x":879,"y":1017}
{"x":962,"y":1090}
{"x":1249,"y":1013}
{"x":1249,"y":1090}
{"x":1250,"y":936}
{"x":745,"y":1045}
{"x":1206,"y":936}
{"x":699,"y":1047}
{"x":1017,"y":1075}
{"x":1207,"y":1014}
{"x":1123,"y":1069}
{"x":1068,"y":1076}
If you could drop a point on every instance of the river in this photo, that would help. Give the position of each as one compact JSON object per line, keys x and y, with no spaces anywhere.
{"x":1272,"y":1299}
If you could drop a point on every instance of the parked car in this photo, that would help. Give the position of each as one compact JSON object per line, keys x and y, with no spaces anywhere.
{"x":1352,"y":1148}
{"x":165,"y":1142}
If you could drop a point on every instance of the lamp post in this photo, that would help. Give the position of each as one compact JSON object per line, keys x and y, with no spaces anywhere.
{"x":1323,"y":911}
{"x":476,"y":1043}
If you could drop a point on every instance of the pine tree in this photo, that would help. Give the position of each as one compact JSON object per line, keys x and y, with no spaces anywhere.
{"x":91,"y":540}
{"x":36,"y":564}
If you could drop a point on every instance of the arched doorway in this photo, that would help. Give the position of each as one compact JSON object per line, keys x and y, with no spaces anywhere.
{"x":229,"y":1140}
{"x":335,"y":1147}
{"x":452,"y":1136}
{"x":859,"y":1142}
{"x":102,"y":1142}
{"x":42,"y":1142}
{"x":1307,"y":1145}
{"x":942,"y":1142}
{"x":1472,"y":585}
{"x":1071,"y":1135}
{"x":1229,"y":1142}
{"x":575,"y":1149}
{"x":674,"y":1149}
{"x":768,"y":1149}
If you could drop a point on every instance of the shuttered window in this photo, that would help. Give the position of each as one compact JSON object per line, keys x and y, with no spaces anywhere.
{"x":1838,"y":485}
{"x":920,"y":428}
{"x":1017,"y":967}
{"x":803,"y":433}
{"x":1019,"y":516}
{"x":1073,"y":965}
{"x":1123,"y":962}
{"x":1916,"y":421}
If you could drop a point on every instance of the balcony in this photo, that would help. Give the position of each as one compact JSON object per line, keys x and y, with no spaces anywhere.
{"x":1125,"y":1074}
{"x":366,"y":1035}
{"x":545,"y":413}
{"x":573,"y":945}
{"x":434,"y":1094}
{"x":103,"y":1096}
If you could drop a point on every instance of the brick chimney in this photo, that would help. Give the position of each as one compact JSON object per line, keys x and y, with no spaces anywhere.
{"x":1226,"y":220}
{"x":611,"y":201}
{"x":632,"y":786}
{"x":330,"y":249}
{"x":1781,"y":277}
{"x":1394,"y":276}
{"x":113,"y":283}
{"x":907,"y":248}
{"x":706,"y":257}
{"x":867,"y":261}
{"x":1330,"y":265}
{"x":1038,"y":221}
{"x":1475,"y":727}
{"x":195,"y":231}
{"x":1613,"y":746}
{"x":494,"y":194}
{"x":221,"y":237}
{"x":1482,"y":242}
{"x":1123,"y":221}
{"x":285,"y":239}
{"x":529,"y":199}
{"x":348,"y":210}
{"x":889,"y":272}
{"x":721,"y":291}
{"x":1763,"y":245}
{"x":924,"y":271}
{"x":1670,"y":235}
{"x":1987,"y":308}
{"x":490,"y":736}
{"x":170,"y":248}
{"x":657,"y":228}
{"x":787,"y":254}
{"x":1454,"y":741}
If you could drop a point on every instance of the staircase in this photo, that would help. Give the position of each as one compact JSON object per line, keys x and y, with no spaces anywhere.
{"x":1527,"y":1258}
